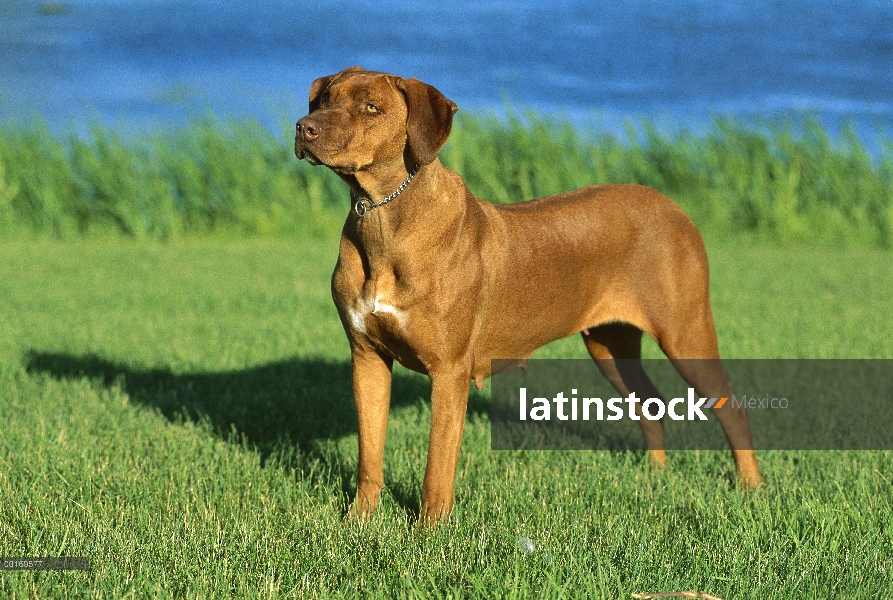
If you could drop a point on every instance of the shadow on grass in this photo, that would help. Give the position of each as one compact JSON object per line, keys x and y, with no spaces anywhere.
{"x":276,"y":407}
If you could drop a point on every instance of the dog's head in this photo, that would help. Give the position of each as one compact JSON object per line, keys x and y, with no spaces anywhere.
{"x":359,"y":118}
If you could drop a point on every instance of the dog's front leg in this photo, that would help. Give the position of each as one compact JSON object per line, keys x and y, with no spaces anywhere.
{"x":372,"y":394}
{"x":449,"y":401}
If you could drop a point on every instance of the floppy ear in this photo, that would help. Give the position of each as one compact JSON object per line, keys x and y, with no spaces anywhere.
{"x":317,"y":87}
{"x":428,"y":121}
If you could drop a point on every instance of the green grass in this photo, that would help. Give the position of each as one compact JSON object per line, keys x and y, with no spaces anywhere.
{"x":793,"y":181}
{"x":181,"y":414}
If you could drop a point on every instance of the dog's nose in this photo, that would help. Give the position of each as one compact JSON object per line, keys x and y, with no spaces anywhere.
{"x":308,"y":128}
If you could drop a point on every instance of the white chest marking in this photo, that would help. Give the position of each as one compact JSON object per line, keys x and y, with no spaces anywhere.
{"x":358,"y":314}
{"x":379,"y":308}
{"x":357,"y":317}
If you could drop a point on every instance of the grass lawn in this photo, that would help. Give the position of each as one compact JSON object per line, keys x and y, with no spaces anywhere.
{"x":181,"y":414}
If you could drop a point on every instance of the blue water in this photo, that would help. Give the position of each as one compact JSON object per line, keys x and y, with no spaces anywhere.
{"x":143,"y":61}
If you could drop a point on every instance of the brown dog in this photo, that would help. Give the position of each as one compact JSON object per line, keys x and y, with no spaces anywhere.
{"x":444,"y":282}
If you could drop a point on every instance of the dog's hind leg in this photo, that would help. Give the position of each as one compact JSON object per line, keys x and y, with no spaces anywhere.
{"x":617,"y":350}
{"x":694,"y":352}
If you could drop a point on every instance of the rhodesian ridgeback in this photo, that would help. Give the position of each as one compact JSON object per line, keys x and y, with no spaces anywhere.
{"x":443,"y":282}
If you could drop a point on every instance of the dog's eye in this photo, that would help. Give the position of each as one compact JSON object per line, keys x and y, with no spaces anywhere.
{"x":371,"y":108}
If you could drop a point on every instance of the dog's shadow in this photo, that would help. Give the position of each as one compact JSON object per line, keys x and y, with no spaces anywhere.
{"x":285,"y":405}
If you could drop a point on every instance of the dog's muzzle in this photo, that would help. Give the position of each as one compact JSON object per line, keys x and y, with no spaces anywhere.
{"x":306,"y":131}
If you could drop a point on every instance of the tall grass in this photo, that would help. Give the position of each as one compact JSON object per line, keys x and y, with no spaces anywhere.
{"x":791,"y":181}
{"x":209,"y":176}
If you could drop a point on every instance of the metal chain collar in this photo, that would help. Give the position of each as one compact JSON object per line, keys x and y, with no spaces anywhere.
{"x":359,"y":206}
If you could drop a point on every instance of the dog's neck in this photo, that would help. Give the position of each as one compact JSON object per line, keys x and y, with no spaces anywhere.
{"x":381,"y":178}
{"x":417,"y":214}
{"x":362,"y":205}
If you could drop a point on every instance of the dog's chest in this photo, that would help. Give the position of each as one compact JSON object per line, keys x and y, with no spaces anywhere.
{"x":374,"y":309}
{"x":372,"y":314}
{"x":383,"y":305}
